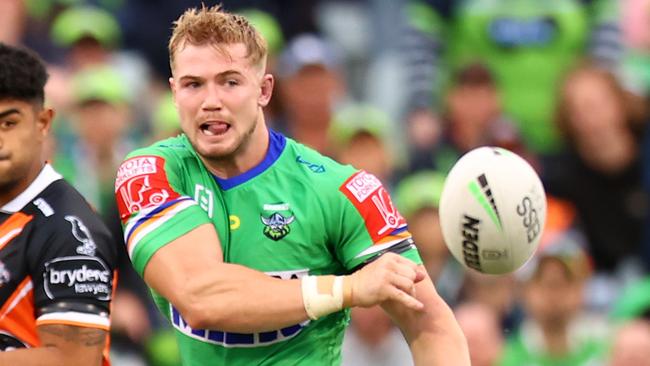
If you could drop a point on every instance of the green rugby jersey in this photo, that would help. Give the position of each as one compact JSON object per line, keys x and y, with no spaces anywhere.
{"x":294,"y":214}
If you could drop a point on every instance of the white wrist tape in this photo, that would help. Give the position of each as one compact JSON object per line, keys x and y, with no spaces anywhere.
{"x":319,"y":304}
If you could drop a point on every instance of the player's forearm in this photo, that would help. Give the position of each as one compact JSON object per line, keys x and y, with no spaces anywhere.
{"x":43,"y":356}
{"x":234,"y":298}
{"x":433,"y":335}
{"x":440,"y":344}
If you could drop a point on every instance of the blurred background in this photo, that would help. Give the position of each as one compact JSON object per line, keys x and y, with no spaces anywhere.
{"x":402,"y":89}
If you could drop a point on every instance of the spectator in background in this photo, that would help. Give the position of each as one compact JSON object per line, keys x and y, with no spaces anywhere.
{"x":474,"y":117}
{"x":499,"y":293}
{"x":635,"y":24}
{"x":310,"y":86}
{"x":359,"y":137}
{"x":527,"y":44}
{"x":632,"y":312}
{"x":164,"y":122}
{"x":89,"y":34}
{"x":100,"y":121}
{"x":631,"y":344}
{"x":482,"y":328}
{"x":12,"y":18}
{"x":557,"y":330}
{"x":373,"y":340}
{"x":600,"y":170}
{"x":91,"y":37}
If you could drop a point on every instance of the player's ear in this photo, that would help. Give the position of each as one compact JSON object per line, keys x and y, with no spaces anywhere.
{"x":266,"y":90}
{"x":44,"y":119}
{"x":172,"y":86}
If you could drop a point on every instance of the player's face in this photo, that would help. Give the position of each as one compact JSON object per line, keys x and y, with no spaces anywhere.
{"x":219,"y":96}
{"x":23,"y":130}
{"x":552,"y":298}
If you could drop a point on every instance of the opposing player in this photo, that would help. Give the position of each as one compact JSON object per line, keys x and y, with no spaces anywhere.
{"x":207,"y":212}
{"x":56,"y":261}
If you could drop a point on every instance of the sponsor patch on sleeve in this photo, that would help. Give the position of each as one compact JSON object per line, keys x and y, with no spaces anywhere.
{"x":78,"y":277}
{"x":374,"y":204}
{"x":142,"y":183}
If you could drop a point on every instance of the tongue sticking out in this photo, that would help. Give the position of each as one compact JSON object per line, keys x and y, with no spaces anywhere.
{"x":215,"y":128}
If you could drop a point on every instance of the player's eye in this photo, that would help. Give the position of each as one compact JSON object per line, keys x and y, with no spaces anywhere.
{"x":7,"y":124}
{"x":232,"y":82}
{"x":192,"y":84}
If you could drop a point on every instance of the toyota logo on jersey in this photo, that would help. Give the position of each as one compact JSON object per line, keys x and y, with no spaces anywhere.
{"x":142,"y":183}
{"x":373,"y":202}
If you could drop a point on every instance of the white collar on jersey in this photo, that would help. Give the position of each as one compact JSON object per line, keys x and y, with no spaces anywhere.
{"x":44,"y":179}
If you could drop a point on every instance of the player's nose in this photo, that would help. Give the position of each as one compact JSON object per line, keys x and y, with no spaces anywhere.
{"x":213,"y":98}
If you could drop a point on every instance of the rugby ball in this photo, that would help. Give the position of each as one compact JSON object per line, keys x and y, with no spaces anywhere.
{"x":492,"y":210}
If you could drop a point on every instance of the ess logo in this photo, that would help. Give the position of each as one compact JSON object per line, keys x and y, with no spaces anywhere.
{"x":529,"y":217}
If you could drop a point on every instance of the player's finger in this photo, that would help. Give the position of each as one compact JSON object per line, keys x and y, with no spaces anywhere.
{"x":404,"y":261}
{"x":403,"y":283}
{"x":420,"y":273}
{"x":406,"y":300}
{"x":406,"y":271}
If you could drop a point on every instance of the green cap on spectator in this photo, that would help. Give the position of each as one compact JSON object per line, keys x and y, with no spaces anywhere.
{"x":268,"y":26}
{"x":355,"y":118}
{"x":100,"y":83}
{"x":165,"y":117}
{"x":78,"y":22}
{"x":634,"y":301}
{"x":419,"y":190}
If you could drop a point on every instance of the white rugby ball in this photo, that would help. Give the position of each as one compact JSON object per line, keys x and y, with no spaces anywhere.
{"x":492,"y":210}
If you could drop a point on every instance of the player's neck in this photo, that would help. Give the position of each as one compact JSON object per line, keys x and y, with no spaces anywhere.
{"x":250,"y":154}
{"x":12,"y":190}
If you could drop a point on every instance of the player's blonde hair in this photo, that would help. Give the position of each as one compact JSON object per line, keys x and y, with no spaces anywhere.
{"x":216,"y":27}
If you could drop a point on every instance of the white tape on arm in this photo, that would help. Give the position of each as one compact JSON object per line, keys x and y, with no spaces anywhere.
{"x":322,"y":295}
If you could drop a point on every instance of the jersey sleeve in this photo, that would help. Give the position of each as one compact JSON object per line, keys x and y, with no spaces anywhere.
{"x":73,"y":272}
{"x":370,"y":225}
{"x":153,"y":208}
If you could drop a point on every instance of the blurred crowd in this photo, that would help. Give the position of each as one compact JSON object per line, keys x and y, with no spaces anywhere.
{"x":402,"y":89}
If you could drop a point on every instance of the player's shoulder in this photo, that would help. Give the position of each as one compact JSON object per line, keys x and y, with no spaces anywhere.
{"x":162,"y":157}
{"x":61,"y":199}
{"x":61,"y":213}
{"x":324,"y":172}
{"x":173,"y":148}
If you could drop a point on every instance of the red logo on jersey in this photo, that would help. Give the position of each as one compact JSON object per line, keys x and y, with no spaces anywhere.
{"x":380,"y":215}
{"x":142,"y":183}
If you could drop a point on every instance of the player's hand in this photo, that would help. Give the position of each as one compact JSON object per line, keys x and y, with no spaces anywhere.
{"x":391,"y":277}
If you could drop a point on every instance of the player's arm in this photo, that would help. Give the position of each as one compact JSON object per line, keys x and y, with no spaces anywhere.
{"x":433,"y":335}
{"x":60,"y":345}
{"x":190,"y":273}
